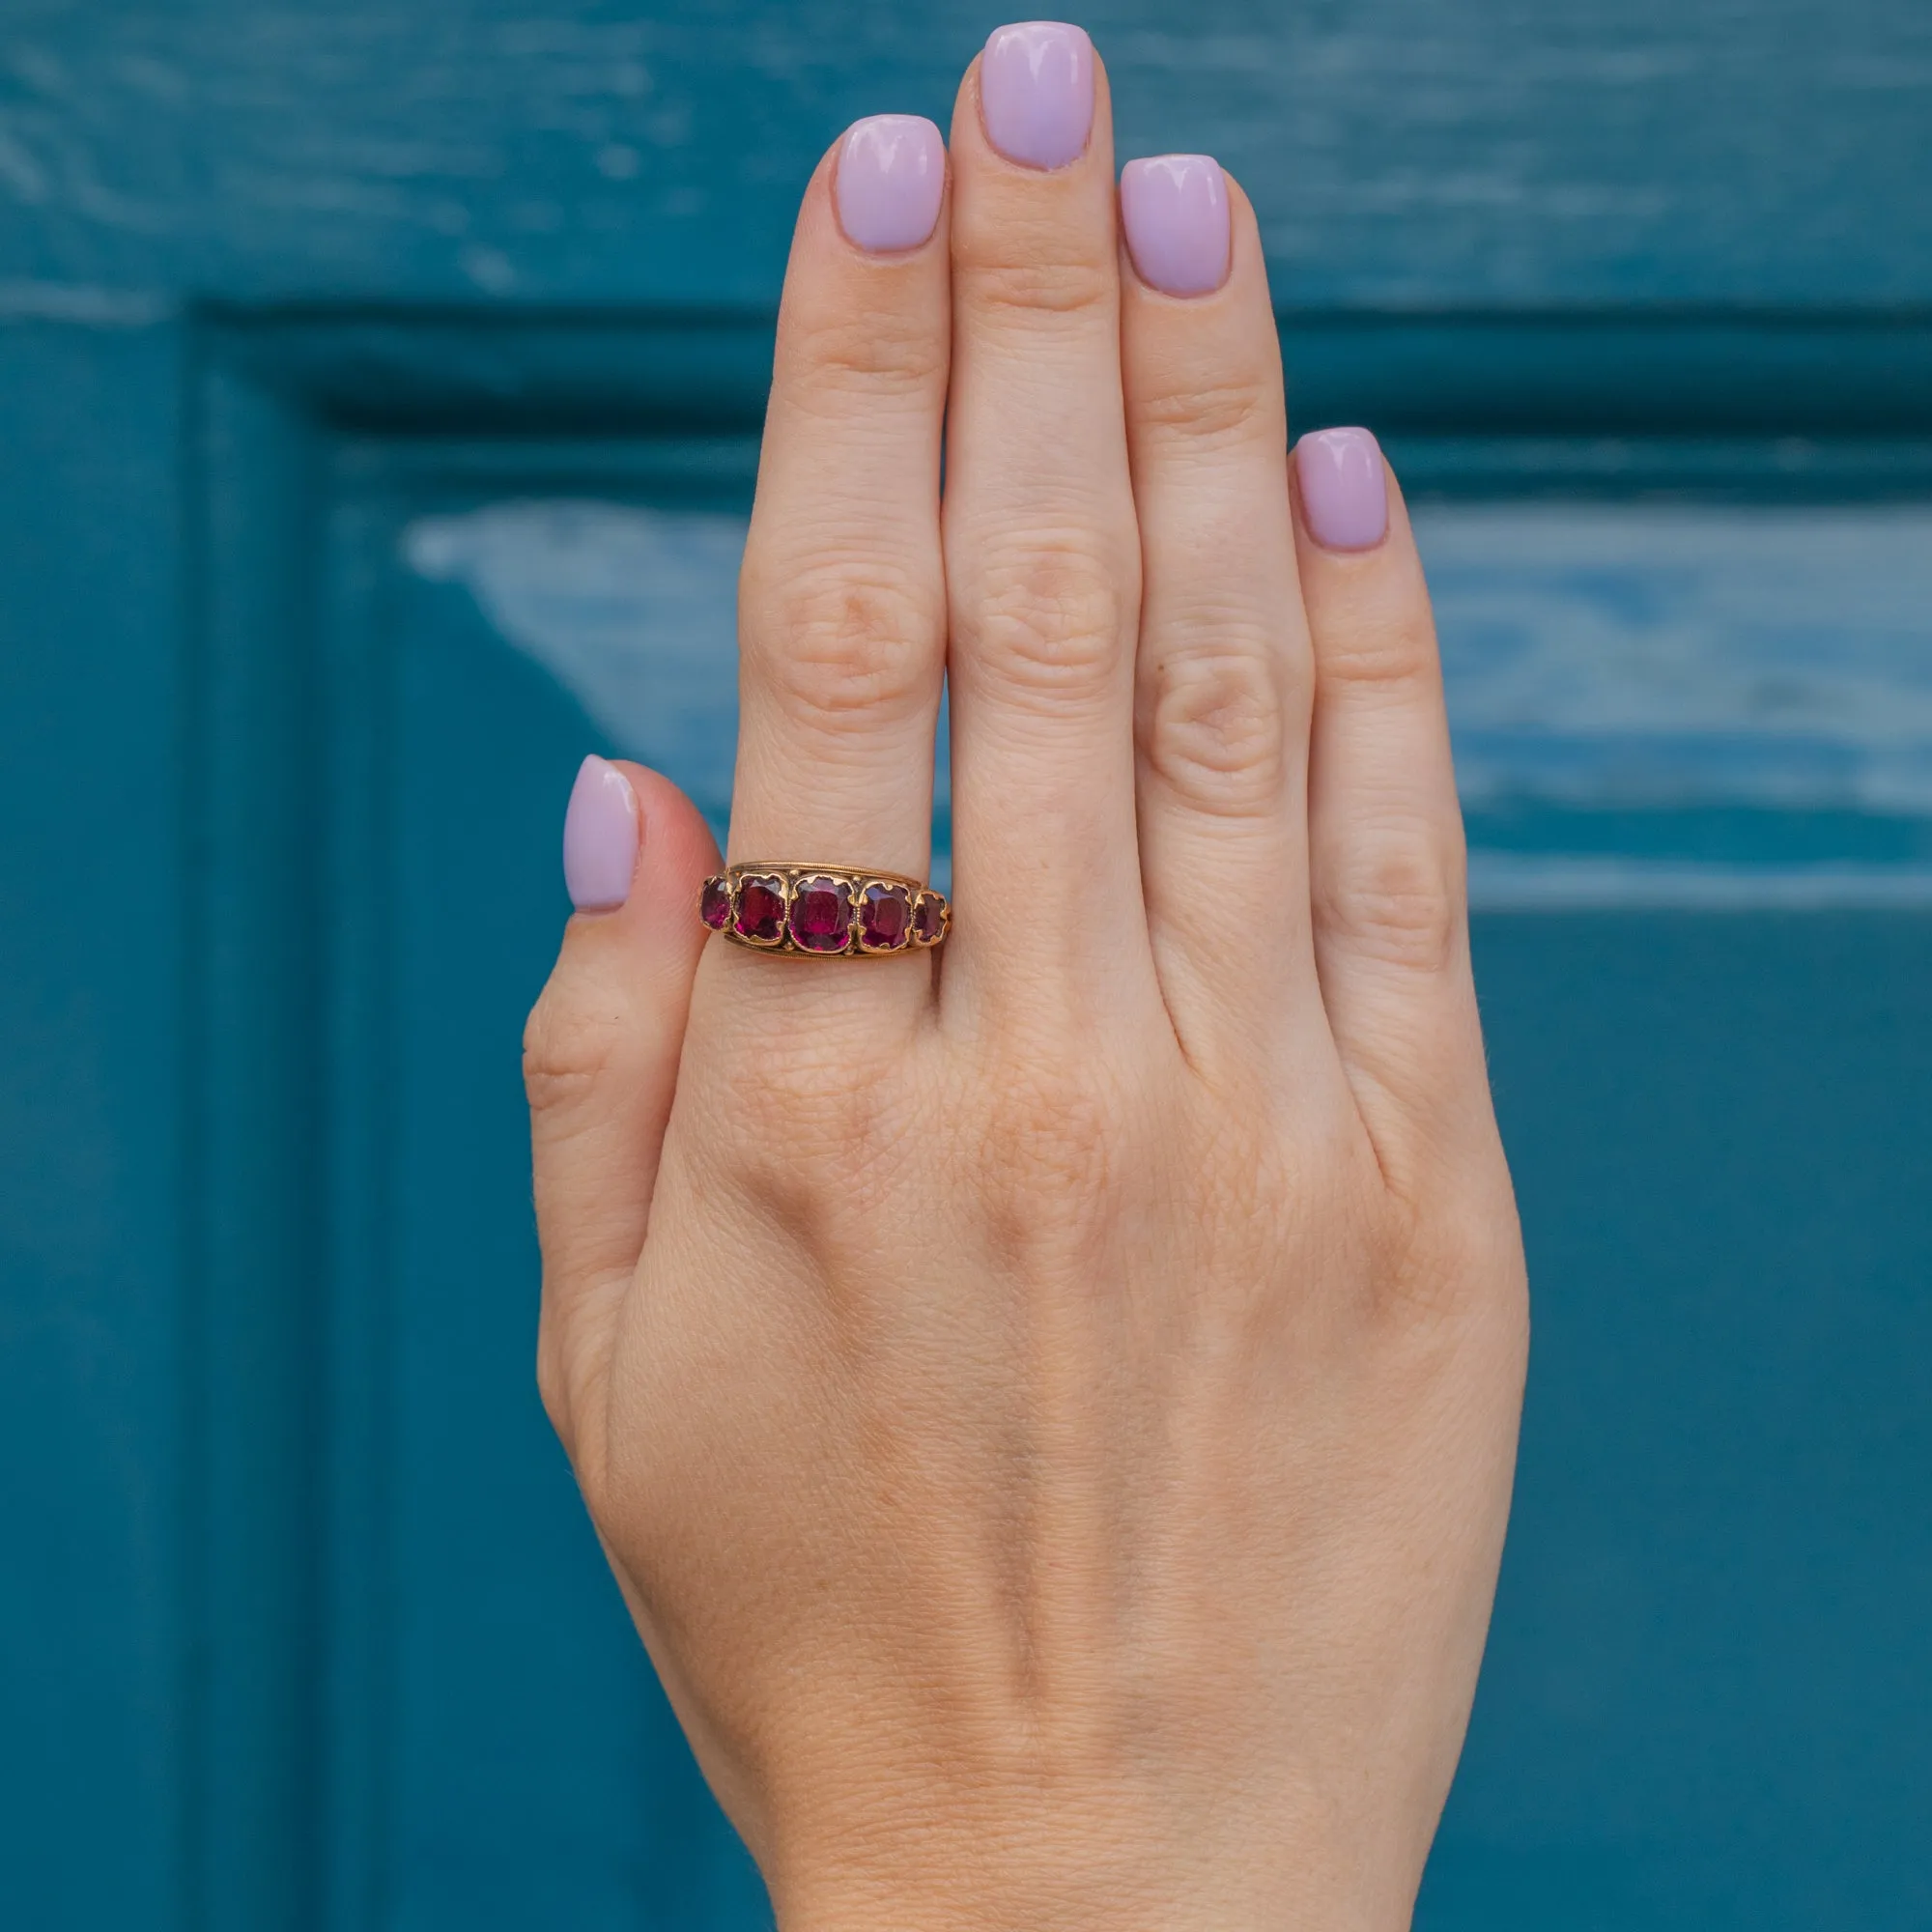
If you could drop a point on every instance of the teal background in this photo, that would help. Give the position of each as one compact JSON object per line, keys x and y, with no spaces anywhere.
{"x":302,"y":1627}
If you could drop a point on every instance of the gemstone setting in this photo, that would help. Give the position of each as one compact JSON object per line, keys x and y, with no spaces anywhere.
{"x":761,"y":909}
{"x":885,"y":917}
{"x":930,"y":918}
{"x":804,"y":911}
{"x":821,"y":914}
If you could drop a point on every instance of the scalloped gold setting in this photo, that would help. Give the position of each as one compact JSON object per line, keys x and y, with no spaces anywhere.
{"x":823,"y":912}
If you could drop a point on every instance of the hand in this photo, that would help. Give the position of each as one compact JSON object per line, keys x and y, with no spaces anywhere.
{"x":1050,"y":1404}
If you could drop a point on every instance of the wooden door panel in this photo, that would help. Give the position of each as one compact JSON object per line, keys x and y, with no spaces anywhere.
{"x":1402,"y":154}
{"x":96,"y":1597}
{"x":1704,"y":1700}
{"x":466,"y":1559}
{"x":530,"y":1758}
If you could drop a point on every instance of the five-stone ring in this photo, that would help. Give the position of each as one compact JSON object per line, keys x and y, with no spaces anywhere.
{"x":813,"y":911}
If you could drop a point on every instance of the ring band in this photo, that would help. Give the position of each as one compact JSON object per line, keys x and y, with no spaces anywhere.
{"x":819,"y":912}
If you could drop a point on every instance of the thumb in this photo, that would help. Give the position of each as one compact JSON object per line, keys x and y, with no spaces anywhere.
{"x":600,"y":1060}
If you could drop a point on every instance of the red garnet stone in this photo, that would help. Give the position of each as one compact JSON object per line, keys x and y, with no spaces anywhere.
{"x":929,"y":922}
{"x":714,"y":905}
{"x":821,"y":915}
{"x":885,"y":917}
{"x":761,"y":908}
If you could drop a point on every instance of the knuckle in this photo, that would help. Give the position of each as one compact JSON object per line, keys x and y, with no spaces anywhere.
{"x":568,"y":1048}
{"x":1051,"y":615}
{"x":1213,"y":726}
{"x":1455,"y":1257}
{"x":818,"y":1154}
{"x":1024,"y":292}
{"x":845,"y":641}
{"x":875,"y":348}
{"x":1044,"y":1112}
{"x":1231,"y":411}
{"x":1395,"y":893}
{"x":1473,"y":1239}
{"x":831,"y":1122}
{"x":1052,"y":1145}
{"x":1370,"y":650}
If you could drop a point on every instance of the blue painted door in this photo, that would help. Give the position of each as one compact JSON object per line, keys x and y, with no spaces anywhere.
{"x":379,"y":389}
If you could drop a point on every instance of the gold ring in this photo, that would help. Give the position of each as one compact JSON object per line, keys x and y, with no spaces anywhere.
{"x":818,"y":912}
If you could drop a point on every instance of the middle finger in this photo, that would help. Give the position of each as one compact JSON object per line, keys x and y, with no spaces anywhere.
{"x":1042,"y":548}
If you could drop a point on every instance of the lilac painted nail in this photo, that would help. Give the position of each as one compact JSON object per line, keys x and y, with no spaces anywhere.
{"x":1344,"y":491}
{"x":600,"y":838}
{"x":1175,"y":210}
{"x":891,"y":171}
{"x":1037,"y":92}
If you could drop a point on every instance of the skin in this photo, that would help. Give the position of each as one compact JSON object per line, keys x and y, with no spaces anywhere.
{"x":1050,"y":1406}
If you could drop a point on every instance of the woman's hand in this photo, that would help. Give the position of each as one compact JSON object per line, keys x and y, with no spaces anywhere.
{"x":1050,"y":1403}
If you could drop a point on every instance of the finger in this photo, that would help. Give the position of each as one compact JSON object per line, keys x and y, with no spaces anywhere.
{"x":1392,"y":935}
{"x":1225,"y":671}
{"x":841,"y":599}
{"x":601,"y":1053}
{"x":1041,"y":551}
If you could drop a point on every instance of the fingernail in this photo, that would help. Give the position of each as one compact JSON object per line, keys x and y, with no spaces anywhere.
{"x":1175,"y":210}
{"x":1344,"y":491}
{"x":600,"y":838}
{"x":1037,"y":92}
{"x":891,"y":170}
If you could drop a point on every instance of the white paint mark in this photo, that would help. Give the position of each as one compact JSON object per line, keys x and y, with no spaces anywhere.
{"x":20,"y":174}
{"x":1653,"y":656}
{"x":79,"y":303}
{"x":490,"y":269}
{"x":1538,"y":882}
{"x":633,"y":611}
{"x":1649,"y":661}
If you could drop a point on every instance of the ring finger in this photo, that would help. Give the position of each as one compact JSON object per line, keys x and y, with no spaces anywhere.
{"x":841,"y":598}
